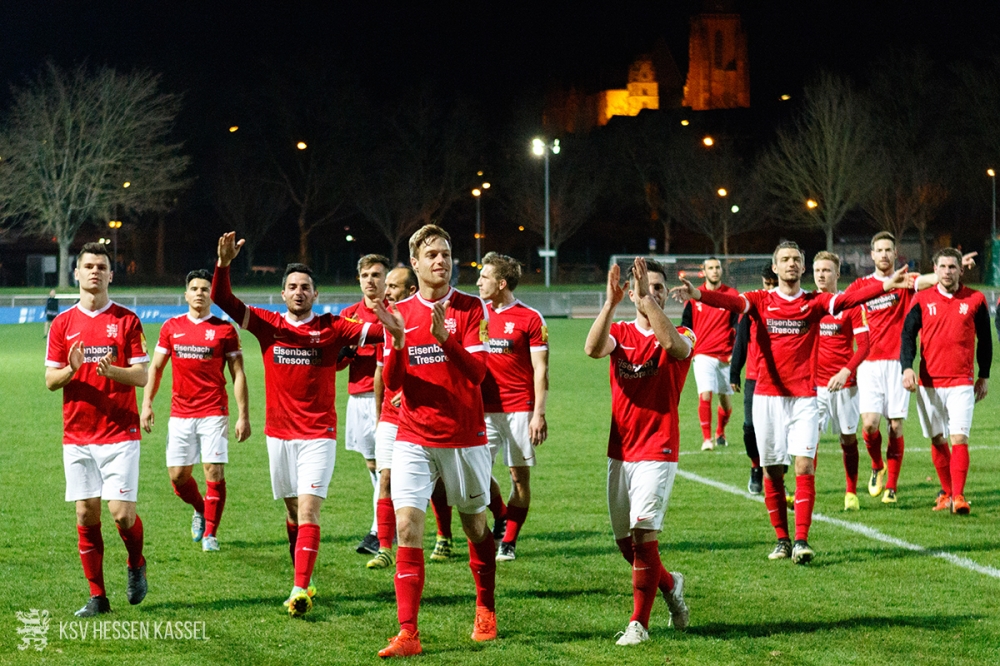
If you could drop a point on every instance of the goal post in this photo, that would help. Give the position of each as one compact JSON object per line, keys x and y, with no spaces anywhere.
{"x":740,"y":271}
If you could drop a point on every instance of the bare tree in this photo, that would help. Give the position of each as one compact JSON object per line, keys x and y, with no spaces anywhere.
{"x":81,"y":145}
{"x":822,"y":167}
{"x":422,"y":162}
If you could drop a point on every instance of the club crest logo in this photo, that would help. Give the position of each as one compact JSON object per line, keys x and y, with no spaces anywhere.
{"x":34,"y":632}
{"x":210,"y":334}
{"x":451,"y":325}
{"x":112,"y":330}
{"x":508,"y":328}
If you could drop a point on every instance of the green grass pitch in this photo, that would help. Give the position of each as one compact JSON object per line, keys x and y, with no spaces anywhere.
{"x":862,"y":601}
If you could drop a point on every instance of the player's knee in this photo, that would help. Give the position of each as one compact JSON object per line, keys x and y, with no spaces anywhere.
{"x":180,"y":475}
{"x":215,"y":472}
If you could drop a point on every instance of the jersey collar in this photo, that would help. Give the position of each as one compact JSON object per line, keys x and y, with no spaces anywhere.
{"x":430,"y":304}
{"x":312,"y":315}
{"x":198,"y":321}
{"x":778,"y":292}
{"x":94,"y":313}
{"x":944,"y":292}
{"x":505,"y":307}
{"x":646,"y":332}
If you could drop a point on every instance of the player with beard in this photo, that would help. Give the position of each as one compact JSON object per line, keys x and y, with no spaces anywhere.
{"x":948,"y":319}
{"x":715,"y":330}
{"x":785,"y":416}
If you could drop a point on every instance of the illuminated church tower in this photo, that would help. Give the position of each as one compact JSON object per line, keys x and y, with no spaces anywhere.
{"x":718,"y":74}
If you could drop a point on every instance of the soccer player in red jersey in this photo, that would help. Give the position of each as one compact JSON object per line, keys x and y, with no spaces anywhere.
{"x":400,"y":283}
{"x":96,"y":354}
{"x":437,"y":357}
{"x":361,"y":420}
{"x":649,"y":363}
{"x":201,"y":345}
{"x":716,"y":330}
{"x":785,"y":416}
{"x":745,"y":352}
{"x":948,"y":318}
{"x":300,"y":418}
{"x":515,"y":387}
{"x":834,"y":366}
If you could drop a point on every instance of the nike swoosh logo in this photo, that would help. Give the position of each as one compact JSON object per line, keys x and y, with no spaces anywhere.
{"x":799,"y":501}
{"x":70,"y":337}
{"x":772,"y":309}
{"x":624,"y":347}
{"x":311,"y":550}
{"x":407,"y":330}
{"x":124,"y":490}
{"x":84,"y":552}
{"x":316,"y":485}
{"x":641,"y":568}
{"x":475,"y":496}
{"x":405,"y":575}
{"x":177,"y":335}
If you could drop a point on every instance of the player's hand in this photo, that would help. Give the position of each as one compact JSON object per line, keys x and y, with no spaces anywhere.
{"x":735,"y":387}
{"x":685,"y":292}
{"x":981,"y":388}
{"x":393,"y":322}
{"x":104,"y":366}
{"x":397,"y":399}
{"x":910,"y":380}
{"x":538,"y":429}
{"x":229,"y":247}
{"x":838,"y":381}
{"x":76,"y":355}
{"x":615,"y":292}
{"x":968,"y":262}
{"x":146,"y":418}
{"x":438,"y":330}
{"x":901,"y":279}
{"x":242,"y":429}
{"x":641,"y":277}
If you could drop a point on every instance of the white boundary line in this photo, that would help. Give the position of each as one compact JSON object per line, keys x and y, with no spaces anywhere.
{"x":857,"y":528}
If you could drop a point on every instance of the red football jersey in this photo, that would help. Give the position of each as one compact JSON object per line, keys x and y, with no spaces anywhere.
{"x":713,"y":326}
{"x":835,"y":348}
{"x":361,"y":371}
{"x":390,"y":412}
{"x":885,"y":314}
{"x":97,"y":410}
{"x":516,"y":331}
{"x":646,"y":385}
{"x":199,"y":349}
{"x":948,"y":335}
{"x":442,"y":405}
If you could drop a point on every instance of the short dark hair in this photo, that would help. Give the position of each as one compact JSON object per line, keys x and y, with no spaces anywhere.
{"x":883,"y":235}
{"x":411,"y":277}
{"x":768,"y":273}
{"x":504,"y":268}
{"x":652,"y":266}
{"x":708,"y":260}
{"x":786,"y":245}
{"x":947,"y":252}
{"x":198,"y":274}
{"x":372,"y":259}
{"x":297,"y":268}
{"x":93,"y":248}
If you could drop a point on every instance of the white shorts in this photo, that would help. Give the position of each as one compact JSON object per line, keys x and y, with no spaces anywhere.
{"x":301,"y":466}
{"x":385,"y":437}
{"x":638,"y":494}
{"x":880,"y":389}
{"x":191,"y":440}
{"x":711,"y":374}
{"x":785,"y":428}
{"x":946,"y":410}
{"x":508,"y":433}
{"x":465,"y":472}
{"x":359,"y":435}
{"x":838,"y":409}
{"x":108,"y":471}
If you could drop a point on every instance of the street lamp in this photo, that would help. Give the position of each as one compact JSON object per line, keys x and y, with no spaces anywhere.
{"x":542,"y":149}
{"x":115,"y":225}
{"x":811,"y":204}
{"x":993,"y":176}
{"x":478,"y":193}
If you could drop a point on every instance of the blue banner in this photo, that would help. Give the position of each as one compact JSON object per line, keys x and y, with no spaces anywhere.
{"x":148,"y":314}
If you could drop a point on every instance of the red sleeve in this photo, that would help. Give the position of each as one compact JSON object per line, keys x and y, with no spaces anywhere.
{"x":222,"y":295}
{"x":717,"y":299}
{"x":135,"y":343}
{"x":855,"y":297}
{"x":394,"y":368}
{"x":863,"y":340}
{"x":538,"y":333}
{"x":231,"y":342}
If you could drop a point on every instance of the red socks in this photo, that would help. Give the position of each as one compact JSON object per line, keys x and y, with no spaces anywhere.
{"x":941,"y":457}
{"x":805,"y":498}
{"x":705,"y":417}
{"x":645,"y":580}
{"x":409,"y":582}
{"x":894,"y":460}
{"x":777,"y":509}
{"x":959,"y":468}
{"x":386,"y":516}
{"x":873,"y":442}
{"x":293,"y":533}
{"x":516,"y":516}
{"x":133,"y":537}
{"x":189,"y":493}
{"x":483,"y":563}
{"x":91,"y":547}
{"x":442,"y":514}
{"x":723,"y":414}
{"x":497,"y":507}
{"x":627,"y":547}
{"x":215,"y":502}
{"x":851,"y":466}
{"x":306,"y":550}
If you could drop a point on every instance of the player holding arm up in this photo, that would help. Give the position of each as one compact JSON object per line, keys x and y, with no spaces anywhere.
{"x":649,"y":363}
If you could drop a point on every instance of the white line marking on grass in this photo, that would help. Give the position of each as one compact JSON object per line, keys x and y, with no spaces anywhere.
{"x":857,"y":528}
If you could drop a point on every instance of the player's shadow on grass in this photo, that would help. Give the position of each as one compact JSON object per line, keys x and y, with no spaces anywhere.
{"x":778,"y":628}
{"x":555,"y":594}
{"x":567,"y":535}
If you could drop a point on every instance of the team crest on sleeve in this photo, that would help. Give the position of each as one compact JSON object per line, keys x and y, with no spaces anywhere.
{"x":545,"y":334}
{"x":142,"y":342}
{"x":352,"y":320}
{"x":112,"y":330}
{"x":484,"y":329}
{"x":688,"y":333}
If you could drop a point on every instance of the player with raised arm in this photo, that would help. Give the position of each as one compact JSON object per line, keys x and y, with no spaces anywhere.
{"x":785,"y":416}
{"x":515,"y":388}
{"x":948,"y":318}
{"x":437,"y":357}
{"x":834,"y":366}
{"x":300,"y":352}
{"x":96,"y":354}
{"x":715,"y":330}
{"x":745,"y":352}
{"x":649,"y":363}
{"x":400,"y":283}
{"x":361,"y":412}
{"x":201,"y":346}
